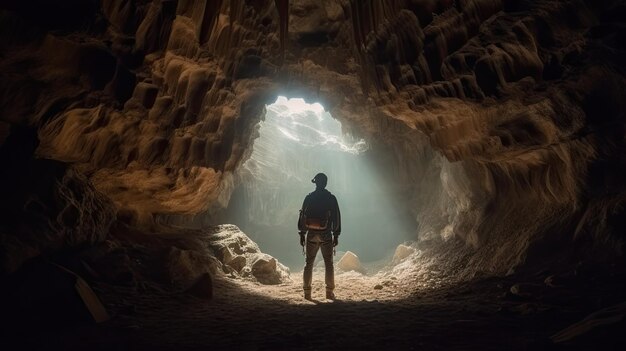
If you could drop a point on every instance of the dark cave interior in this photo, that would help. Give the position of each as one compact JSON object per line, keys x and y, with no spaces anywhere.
{"x":153,"y":169}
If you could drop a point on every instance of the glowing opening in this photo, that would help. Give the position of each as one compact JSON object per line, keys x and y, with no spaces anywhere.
{"x":296,"y":141}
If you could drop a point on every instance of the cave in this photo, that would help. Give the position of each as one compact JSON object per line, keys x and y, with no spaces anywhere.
{"x":155,"y":155}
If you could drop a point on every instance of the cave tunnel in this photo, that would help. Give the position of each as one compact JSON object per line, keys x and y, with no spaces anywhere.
{"x":155,"y":156}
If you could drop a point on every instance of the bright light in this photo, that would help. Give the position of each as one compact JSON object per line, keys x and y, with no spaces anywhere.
{"x":295,"y":106}
{"x":296,"y":141}
{"x":310,"y":125}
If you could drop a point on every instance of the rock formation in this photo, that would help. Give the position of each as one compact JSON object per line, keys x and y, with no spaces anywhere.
{"x":241,"y":256}
{"x":350,"y":262}
{"x":402,"y":252}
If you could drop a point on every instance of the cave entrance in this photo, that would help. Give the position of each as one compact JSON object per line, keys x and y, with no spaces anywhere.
{"x":296,"y":140}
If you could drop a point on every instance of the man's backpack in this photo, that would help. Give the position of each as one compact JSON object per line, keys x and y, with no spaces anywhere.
{"x":316,"y":212}
{"x":308,"y":222}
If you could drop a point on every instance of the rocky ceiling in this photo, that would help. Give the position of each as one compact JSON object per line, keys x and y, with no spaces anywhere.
{"x":501,"y":122}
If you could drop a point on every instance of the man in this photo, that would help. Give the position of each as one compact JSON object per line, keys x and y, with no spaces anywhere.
{"x":319,"y":226}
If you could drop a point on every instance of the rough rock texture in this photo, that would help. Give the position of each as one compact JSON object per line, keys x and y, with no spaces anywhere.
{"x":179,"y":260}
{"x":241,"y":256}
{"x":350,"y":262}
{"x":500,"y":123}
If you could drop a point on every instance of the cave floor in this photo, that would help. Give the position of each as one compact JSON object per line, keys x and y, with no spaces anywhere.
{"x":245,"y":315}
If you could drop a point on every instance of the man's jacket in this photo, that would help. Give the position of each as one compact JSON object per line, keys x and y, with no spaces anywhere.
{"x":320,"y":204}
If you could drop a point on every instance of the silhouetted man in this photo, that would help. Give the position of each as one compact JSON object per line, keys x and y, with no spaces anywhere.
{"x":320,"y":221}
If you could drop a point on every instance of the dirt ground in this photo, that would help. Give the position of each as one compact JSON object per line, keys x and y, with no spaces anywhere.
{"x":401,"y":308}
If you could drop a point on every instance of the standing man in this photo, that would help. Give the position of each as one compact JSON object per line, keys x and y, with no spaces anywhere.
{"x":319,"y":226}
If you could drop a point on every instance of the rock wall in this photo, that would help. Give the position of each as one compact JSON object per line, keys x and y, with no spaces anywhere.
{"x":500,"y":122}
{"x":511,"y":95}
{"x":46,"y":205}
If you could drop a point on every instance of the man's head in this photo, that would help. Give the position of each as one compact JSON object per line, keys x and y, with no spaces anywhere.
{"x":320,"y":180}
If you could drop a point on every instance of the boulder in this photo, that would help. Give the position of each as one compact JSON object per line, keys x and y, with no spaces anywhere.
{"x":267,"y":270}
{"x":231,"y":236}
{"x":264,"y":264}
{"x":350,"y":262}
{"x":402,"y":252}
{"x":237,"y":252}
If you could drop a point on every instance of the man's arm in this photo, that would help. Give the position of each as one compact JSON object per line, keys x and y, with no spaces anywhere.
{"x":301,"y":228}
{"x":336,"y":222}
{"x":336,"y":217}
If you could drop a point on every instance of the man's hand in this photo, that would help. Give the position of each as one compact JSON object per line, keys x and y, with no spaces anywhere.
{"x":335,"y":240}
{"x":302,"y":239}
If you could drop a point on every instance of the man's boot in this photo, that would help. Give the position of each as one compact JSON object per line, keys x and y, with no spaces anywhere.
{"x":330,"y":295}
{"x":307,"y":294}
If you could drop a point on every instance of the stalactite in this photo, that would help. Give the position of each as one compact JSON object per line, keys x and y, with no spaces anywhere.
{"x":366,"y":17}
{"x":283,"y":15}
{"x":211,"y":15}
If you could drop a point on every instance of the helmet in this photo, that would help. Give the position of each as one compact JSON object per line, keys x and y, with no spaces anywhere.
{"x":320,"y":180}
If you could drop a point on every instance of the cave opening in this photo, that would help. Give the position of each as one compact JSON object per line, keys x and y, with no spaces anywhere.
{"x":295,"y":141}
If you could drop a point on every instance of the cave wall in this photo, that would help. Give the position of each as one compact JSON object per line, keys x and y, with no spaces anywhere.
{"x":500,"y":123}
{"x":513,"y":104}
